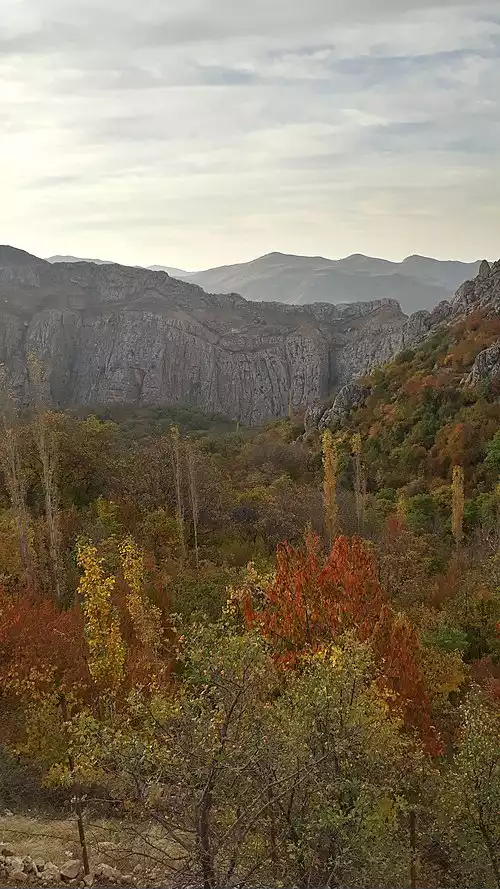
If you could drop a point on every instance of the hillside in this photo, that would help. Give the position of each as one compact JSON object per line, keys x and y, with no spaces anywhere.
{"x":433,"y":407}
{"x":416,"y":283}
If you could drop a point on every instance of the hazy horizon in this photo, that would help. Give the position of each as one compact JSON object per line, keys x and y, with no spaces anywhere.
{"x":212,"y":133}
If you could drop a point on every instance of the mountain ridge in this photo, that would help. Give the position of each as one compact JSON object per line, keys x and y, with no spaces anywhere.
{"x":417,"y":282}
{"x":112,"y":334}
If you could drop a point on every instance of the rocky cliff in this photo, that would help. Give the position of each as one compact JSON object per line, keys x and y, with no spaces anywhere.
{"x":113,"y":334}
{"x":481,"y":295}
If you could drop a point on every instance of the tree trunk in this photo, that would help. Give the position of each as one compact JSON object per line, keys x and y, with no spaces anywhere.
{"x":77,"y":792}
{"x":495,"y":866}
{"x":206,"y":855}
{"x":413,"y":847}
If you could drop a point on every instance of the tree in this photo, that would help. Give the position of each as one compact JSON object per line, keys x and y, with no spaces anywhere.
{"x":46,"y":440}
{"x":330,"y":465}
{"x":146,"y":617}
{"x":193,"y":494}
{"x":470,"y":799}
{"x":254,"y":776}
{"x":43,"y":673}
{"x":102,"y":627}
{"x":359,"y":482}
{"x":13,"y":470}
{"x":175,"y":444}
{"x":341,"y":820}
{"x":312,"y":600}
{"x":457,"y":515}
{"x":195,"y":761}
{"x":492,"y":460}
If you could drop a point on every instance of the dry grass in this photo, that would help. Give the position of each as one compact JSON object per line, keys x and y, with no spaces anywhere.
{"x":118,"y":843}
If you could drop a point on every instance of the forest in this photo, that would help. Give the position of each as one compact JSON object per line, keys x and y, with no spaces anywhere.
{"x":279,"y":646}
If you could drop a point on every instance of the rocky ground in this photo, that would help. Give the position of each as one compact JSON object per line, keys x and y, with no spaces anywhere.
{"x":17,"y":869}
{"x":42,"y":852}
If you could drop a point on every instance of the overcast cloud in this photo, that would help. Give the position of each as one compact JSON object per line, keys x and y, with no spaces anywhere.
{"x":198,"y":132}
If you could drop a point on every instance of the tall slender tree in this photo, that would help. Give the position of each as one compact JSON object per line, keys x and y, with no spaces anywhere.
{"x":330,"y":466}
{"x":193,"y":495}
{"x":46,"y":441}
{"x":359,"y":481}
{"x":14,"y":479}
{"x":457,"y":515}
{"x":176,"y":451}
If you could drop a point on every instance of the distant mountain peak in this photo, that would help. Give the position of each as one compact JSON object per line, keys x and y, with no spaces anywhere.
{"x":416,"y":283}
{"x":13,"y":255}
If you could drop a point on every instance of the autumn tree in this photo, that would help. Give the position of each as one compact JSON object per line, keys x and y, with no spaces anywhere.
{"x":359,"y":481}
{"x":176,"y":456}
{"x":255,"y":776}
{"x":146,"y":617}
{"x":312,"y":600}
{"x":13,"y":470}
{"x":457,"y":515}
{"x":193,"y":495}
{"x":43,"y":677}
{"x":102,"y":628}
{"x":330,"y":465}
{"x":470,"y":799}
{"x":46,"y":440}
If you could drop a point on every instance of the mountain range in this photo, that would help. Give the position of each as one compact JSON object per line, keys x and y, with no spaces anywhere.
{"x":418,"y":282}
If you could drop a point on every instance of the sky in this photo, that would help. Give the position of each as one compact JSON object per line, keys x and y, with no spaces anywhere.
{"x":196,"y":133}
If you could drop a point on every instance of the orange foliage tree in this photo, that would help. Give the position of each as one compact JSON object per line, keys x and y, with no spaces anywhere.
{"x":41,"y":647}
{"x":312,"y":600}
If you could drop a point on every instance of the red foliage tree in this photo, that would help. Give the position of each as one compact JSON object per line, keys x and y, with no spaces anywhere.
{"x":40,"y":644}
{"x":311,"y":601}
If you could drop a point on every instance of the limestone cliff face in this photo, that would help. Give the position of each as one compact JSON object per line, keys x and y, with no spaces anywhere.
{"x":113,"y":334}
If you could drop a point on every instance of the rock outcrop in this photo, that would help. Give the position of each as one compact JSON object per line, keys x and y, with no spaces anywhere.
{"x":483,"y":291}
{"x":110,"y":334}
{"x":351,"y":396}
{"x":486,"y":366}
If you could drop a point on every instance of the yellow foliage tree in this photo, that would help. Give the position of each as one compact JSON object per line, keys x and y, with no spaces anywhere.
{"x":330,"y":467}
{"x":359,"y":482}
{"x":457,"y":515}
{"x":146,"y":617}
{"x":102,"y":626}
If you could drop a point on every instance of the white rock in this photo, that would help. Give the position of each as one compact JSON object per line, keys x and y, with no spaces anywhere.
{"x":106,"y":872}
{"x":71,"y":870}
{"x":50,"y":875}
{"x":13,"y":864}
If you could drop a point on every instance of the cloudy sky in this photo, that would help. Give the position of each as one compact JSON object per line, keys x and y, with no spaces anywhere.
{"x":200,"y":132}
